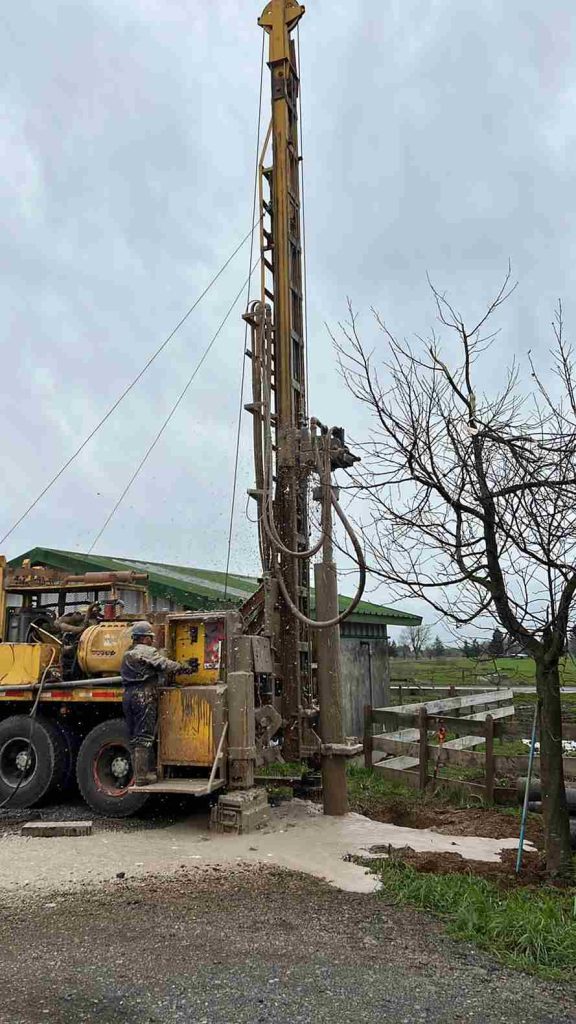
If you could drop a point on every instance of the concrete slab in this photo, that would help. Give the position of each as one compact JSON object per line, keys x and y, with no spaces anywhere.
{"x":50,"y":829}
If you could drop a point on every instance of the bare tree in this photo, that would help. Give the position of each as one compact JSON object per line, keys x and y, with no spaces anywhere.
{"x":416,"y":638}
{"x":471,"y":498}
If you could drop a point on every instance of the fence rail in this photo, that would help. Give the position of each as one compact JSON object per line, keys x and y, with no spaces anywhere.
{"x":410,"y":725}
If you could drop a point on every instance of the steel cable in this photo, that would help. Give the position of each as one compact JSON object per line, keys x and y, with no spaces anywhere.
{"x":304,"y":251}
{"x":127,"y":390}
{"x":178,"y":401}
{"x":243,"y":372}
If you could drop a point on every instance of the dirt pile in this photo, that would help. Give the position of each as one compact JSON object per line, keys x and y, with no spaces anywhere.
{"x":457,"y":821}
{"x":503,"y":873}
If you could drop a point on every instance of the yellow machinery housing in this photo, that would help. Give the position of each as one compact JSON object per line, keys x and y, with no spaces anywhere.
{"x":22,"y":664}
{"x":199,"y":640}
{"x":192,"y":715}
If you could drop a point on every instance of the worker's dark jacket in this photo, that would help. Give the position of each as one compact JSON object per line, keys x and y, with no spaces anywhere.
{"x":142,"y":668}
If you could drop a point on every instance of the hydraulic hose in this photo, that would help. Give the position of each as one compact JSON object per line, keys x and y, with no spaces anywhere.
{"x":275,"y":540}
{"x":267,"y":509}
{"x":277,"y":545}
{"x":314,"y":623}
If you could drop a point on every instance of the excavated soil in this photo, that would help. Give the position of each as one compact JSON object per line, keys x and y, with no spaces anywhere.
{"x":533,"y":872}
{"x":456,"y":821}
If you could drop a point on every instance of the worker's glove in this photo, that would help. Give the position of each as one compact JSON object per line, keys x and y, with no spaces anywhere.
{"x":189,"y":667}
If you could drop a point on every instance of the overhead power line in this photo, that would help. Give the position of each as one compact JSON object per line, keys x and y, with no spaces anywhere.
{"x":127,"y":390}
{"x":180,"y":398}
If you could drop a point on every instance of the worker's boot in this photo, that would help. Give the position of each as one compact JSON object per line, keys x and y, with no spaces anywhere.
{"x":141,"y":760}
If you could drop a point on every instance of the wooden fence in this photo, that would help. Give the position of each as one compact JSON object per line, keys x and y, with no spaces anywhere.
{"x":474,"y":719}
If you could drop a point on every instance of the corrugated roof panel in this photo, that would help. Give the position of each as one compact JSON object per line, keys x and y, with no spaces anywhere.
{"x":203,"y":585}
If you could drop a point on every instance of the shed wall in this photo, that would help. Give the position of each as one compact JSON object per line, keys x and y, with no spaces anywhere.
{"x":358,"y":688}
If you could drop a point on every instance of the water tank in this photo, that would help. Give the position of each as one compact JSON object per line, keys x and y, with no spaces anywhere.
{"x":102,"y":648}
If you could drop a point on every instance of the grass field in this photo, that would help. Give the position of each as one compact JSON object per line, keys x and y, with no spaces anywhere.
{"x":531,"y":929}
{"x":464,"y":671}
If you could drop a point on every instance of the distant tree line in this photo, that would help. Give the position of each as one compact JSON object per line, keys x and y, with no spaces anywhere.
{"x":415,"y":642}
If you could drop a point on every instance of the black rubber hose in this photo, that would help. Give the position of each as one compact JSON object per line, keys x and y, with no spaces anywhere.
{"x":535,"y":793}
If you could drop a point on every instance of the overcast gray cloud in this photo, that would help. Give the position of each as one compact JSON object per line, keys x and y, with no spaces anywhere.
{"x":439,"y":137}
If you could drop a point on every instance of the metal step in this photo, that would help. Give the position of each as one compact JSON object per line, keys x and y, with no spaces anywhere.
{"x":399,"y":764}
{"x":191,"y":787}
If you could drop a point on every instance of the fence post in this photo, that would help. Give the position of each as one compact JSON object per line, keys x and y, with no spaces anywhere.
{"x":489,"y":769}
{"x":423,"y":727}
{"x":368,"y":736}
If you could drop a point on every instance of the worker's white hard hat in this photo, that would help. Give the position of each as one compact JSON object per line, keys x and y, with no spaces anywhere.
{"x":140,"y":629}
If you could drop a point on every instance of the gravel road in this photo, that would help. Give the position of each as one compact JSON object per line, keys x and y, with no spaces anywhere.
{"x":250,"y":945}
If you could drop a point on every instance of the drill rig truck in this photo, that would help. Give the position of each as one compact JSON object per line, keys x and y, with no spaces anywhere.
{"x":251,"y":695}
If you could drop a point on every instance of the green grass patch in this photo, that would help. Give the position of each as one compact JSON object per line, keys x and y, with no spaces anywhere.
{"x":467,"y":672}
{"x":526,"y":928}
{"x":505,"y":748}
{"x":369,"y":792}
{"x":282,"y":769}
{"x":363,"y":783}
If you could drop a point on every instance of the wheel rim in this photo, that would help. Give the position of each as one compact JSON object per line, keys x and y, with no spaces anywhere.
{"x":112,"y":769}
{"x":17,"y":761}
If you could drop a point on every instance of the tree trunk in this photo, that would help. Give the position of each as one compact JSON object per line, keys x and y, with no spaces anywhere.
{"x":556,"y":820}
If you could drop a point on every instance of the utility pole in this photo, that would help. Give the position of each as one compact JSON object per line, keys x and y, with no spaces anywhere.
{"x":282,"y":289}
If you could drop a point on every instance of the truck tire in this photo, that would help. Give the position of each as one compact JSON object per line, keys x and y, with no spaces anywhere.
{"x":104,"y":771}
{"x":39,"y":741}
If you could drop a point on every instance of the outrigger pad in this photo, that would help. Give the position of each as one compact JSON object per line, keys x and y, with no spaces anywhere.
{"x":242,"y":811}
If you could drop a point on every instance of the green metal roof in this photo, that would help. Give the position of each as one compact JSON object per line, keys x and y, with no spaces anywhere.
{"x":195,"y":588}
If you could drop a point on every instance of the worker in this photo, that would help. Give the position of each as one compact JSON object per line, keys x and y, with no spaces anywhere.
{"x":142,"y":668}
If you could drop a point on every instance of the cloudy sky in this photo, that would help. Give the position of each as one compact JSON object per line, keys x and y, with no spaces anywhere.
{"x":438,"y":138}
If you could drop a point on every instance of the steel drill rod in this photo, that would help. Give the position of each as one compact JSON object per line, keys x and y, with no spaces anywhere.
{"x":334,"y":789}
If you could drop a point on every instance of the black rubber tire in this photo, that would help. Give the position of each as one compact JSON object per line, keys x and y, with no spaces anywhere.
{"x":48,"y":760}
{"x":104,"y":793}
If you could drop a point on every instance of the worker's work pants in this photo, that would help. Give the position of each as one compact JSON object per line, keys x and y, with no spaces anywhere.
{"x":140,"y":706}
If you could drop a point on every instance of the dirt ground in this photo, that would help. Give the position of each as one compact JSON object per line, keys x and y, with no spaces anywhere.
{"x":458,"y":821}
{"x":467,"y":821}
{"x":445,"y":820}
{"x":503,"y":873}
{"x":249,"y":946}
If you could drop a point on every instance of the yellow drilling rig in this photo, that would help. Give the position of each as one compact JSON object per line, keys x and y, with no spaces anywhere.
{"x":251,"y":695}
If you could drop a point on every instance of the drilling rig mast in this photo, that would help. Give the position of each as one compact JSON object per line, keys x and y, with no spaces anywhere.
{"x":290,"y":448}
{"x":283,"y":349}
